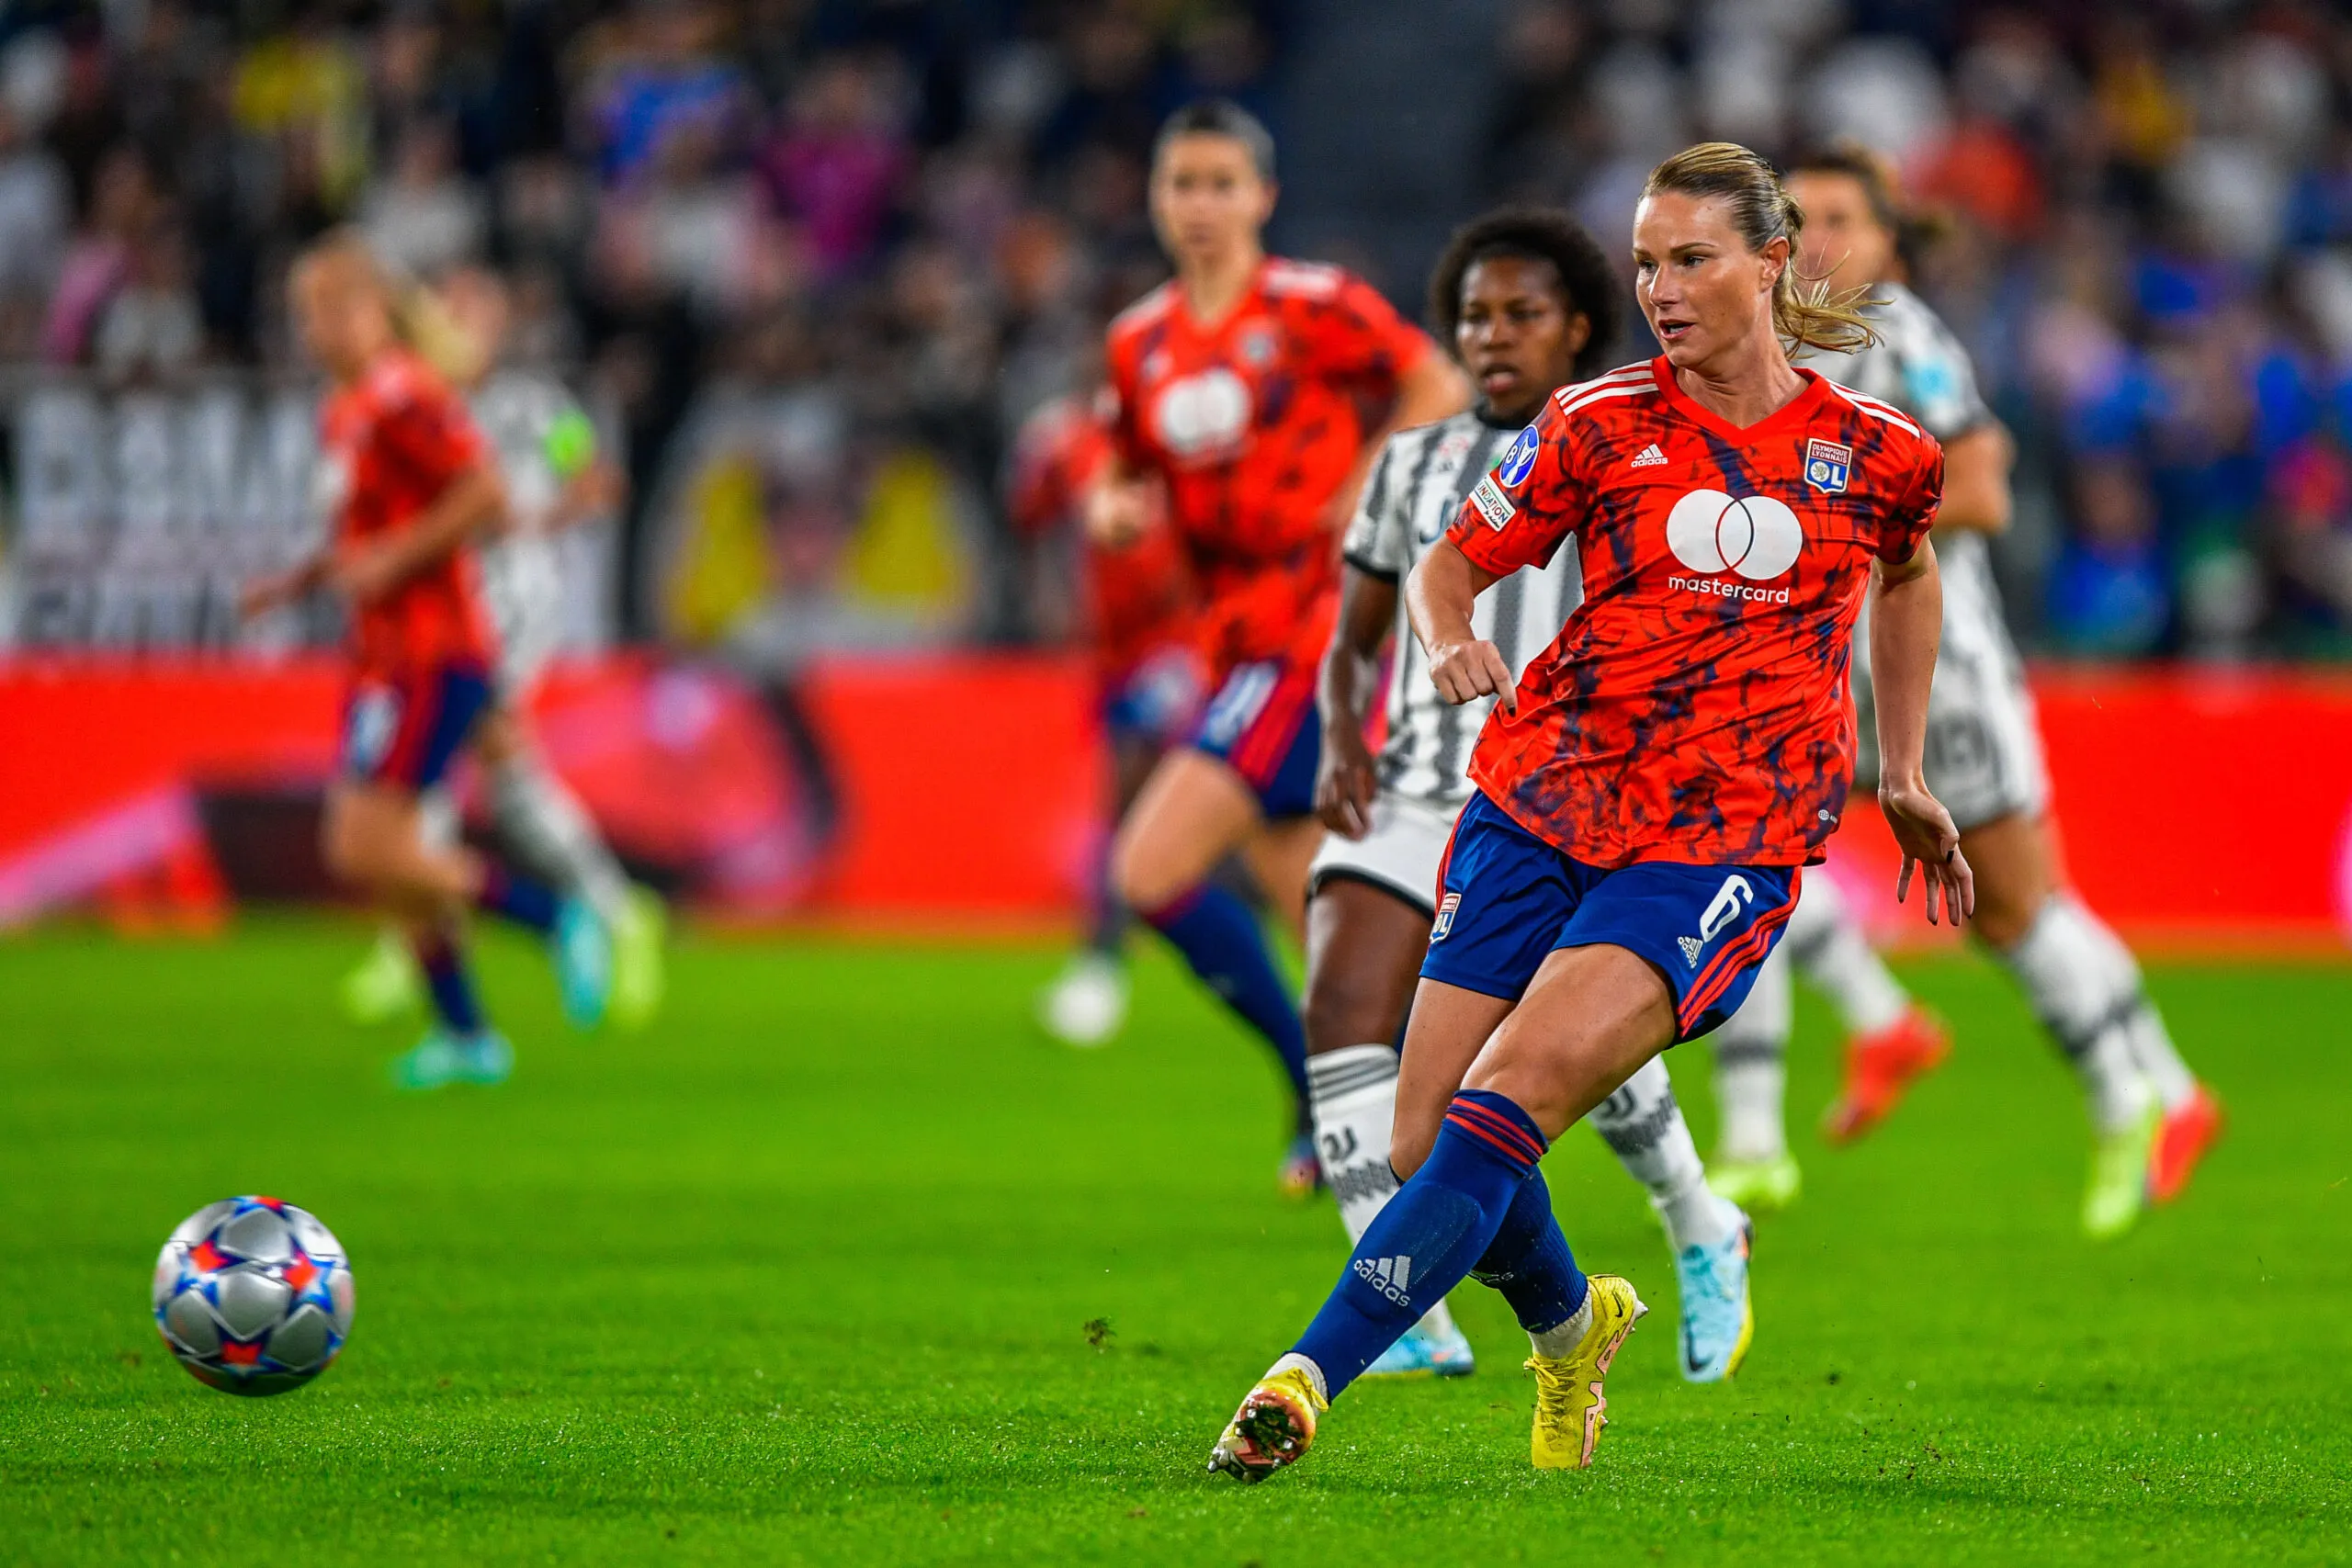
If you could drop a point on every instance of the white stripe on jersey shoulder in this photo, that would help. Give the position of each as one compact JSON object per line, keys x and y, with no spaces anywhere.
{"x":1624,"y":381}
{"x":1146,"y":310}
{"x":1310,"y":280}
{"x":1870,"y":405}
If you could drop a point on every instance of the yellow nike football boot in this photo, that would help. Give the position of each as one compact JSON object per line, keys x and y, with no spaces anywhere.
{"x":1272,"y":1428}
{"x":1569,"y":1402}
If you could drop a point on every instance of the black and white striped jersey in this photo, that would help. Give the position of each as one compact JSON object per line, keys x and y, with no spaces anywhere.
{"x":1417,"y":487}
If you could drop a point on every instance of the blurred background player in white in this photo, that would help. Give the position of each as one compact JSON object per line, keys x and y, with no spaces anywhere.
{"x":1133,"y":601}
{"x":1250,"y":394}
{"x":1530,"y":304}
{"x":2152,"y":1119}
{"x":555,"y":479}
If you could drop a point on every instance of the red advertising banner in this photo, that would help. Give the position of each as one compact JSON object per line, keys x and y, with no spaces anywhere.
{"x":2196,"y":809}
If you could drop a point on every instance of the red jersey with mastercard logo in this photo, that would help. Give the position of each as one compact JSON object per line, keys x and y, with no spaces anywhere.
{"x":1696,"y":708}
{"x":391,"y":444}
{"x":1254,"y":422}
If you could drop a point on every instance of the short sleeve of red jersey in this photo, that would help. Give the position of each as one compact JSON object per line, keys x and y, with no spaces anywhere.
{"x":427,"y":429}
{"x":1359,"y":337}
{"x":1528,"y":502}
{"x":1913,"y":514}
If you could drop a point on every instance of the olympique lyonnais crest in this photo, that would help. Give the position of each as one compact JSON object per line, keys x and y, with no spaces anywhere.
{"x":1444,"y":922}
{"x":1826,"y":463}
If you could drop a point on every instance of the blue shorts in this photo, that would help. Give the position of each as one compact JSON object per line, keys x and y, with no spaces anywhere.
{"x":1261,"y":722}
{"x":1506,"y":900}
{"x":1158,"y":701}
{"x":403,"y":729}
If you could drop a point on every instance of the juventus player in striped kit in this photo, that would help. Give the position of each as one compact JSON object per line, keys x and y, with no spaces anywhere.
{"x":1529,"y":304}
{"x":2152,"y":1119}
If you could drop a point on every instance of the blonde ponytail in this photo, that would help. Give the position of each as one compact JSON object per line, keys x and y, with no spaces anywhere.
{"x":1805,"y":315}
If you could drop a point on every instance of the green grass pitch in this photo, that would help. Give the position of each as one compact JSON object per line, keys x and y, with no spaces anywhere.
{"x":815,"y":1270}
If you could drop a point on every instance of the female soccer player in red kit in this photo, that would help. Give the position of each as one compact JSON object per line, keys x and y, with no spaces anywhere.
{"x":409,"y":483}
{"x":1241,"y":390}
{"x":1649,"y":789}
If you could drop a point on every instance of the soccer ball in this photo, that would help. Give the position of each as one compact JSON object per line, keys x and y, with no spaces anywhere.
{"x":252,"y":1295}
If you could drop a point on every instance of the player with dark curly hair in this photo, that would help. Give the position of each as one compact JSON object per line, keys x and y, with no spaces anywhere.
{"x":1529,"y":304}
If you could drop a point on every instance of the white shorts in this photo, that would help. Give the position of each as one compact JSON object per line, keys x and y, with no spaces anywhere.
{"x":1401,"y":854}
{"x":1983,"y":753}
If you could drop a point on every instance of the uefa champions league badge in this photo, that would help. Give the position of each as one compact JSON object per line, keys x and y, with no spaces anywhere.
{"x":1826,"y":463}
{"x":1520,"y":461}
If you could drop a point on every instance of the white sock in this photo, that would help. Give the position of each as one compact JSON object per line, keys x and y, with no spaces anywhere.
{"x":1291,"y":1359}
{"x":1751,"y":1067}
{"x":1561,"y":1341}
{"x":2087,"y":1006}
{"x":2151,"y":1047}
{"x":1828,"y":943}
{"x":1353,"y":1095}
{"x":548,"y":832}
{"x":1642,"y":1123}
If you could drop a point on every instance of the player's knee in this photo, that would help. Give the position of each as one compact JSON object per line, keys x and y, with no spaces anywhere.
{"x":2002,"y":922}
{"x":2006,"y":908}
{"x":1144,"y":880}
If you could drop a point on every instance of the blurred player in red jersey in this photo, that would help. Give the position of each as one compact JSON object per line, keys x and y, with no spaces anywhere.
{"x":1649,"y":789}
{"x":1250,"y":393}
{"x":1136,"y":605}
{"x":2152,"y":1119}
{"x":555,"y":479}
{"x":411,"y":484}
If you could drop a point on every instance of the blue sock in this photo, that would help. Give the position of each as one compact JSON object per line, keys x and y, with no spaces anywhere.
{"x":1419,"y":1247}
{"x":1528,"y":1260}
{"x":1226,"y":947}
{"x":449,"y":984}
{"x":519,"y":898}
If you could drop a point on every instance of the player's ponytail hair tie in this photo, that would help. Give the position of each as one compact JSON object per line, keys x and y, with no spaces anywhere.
{"x":1807,"y":315}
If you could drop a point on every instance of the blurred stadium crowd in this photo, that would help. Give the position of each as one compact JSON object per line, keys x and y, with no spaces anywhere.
{"x":817,"y":260}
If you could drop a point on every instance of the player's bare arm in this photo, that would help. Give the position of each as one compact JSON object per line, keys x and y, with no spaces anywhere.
{"x":473,"y":503}
{"x":1907,"y":624}
{"x":1439,"y":596}
{"x":597,"y":490}
{"x":274,"y":590}
{"x":1118,"y":505}
{"x":1976,"y":480}
{"x":1344,"y":782}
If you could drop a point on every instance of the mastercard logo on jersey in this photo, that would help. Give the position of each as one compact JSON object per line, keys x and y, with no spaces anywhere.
{"x":1202,"y":415}
{"x":1754,"y":536}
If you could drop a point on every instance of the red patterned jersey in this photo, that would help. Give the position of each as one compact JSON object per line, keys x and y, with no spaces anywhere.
{"x":1139,"y":598}
{"x":390,"y":443}
{"x":1696,"y":706}
{"x":1254,"y":422}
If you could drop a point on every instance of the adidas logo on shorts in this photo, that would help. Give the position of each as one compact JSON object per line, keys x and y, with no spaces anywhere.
{"x":1691,"y":948}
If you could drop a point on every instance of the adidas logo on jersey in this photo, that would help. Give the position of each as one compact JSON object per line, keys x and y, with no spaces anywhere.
{"x":1386,"y":1275}
{"x":1649,"y":457}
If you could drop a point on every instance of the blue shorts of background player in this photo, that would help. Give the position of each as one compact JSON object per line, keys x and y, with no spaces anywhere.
{"x":1506,"y":900}
{"x":403,"y":729}
{"x":1261,"y":723}
{"x":1157,"y":702}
